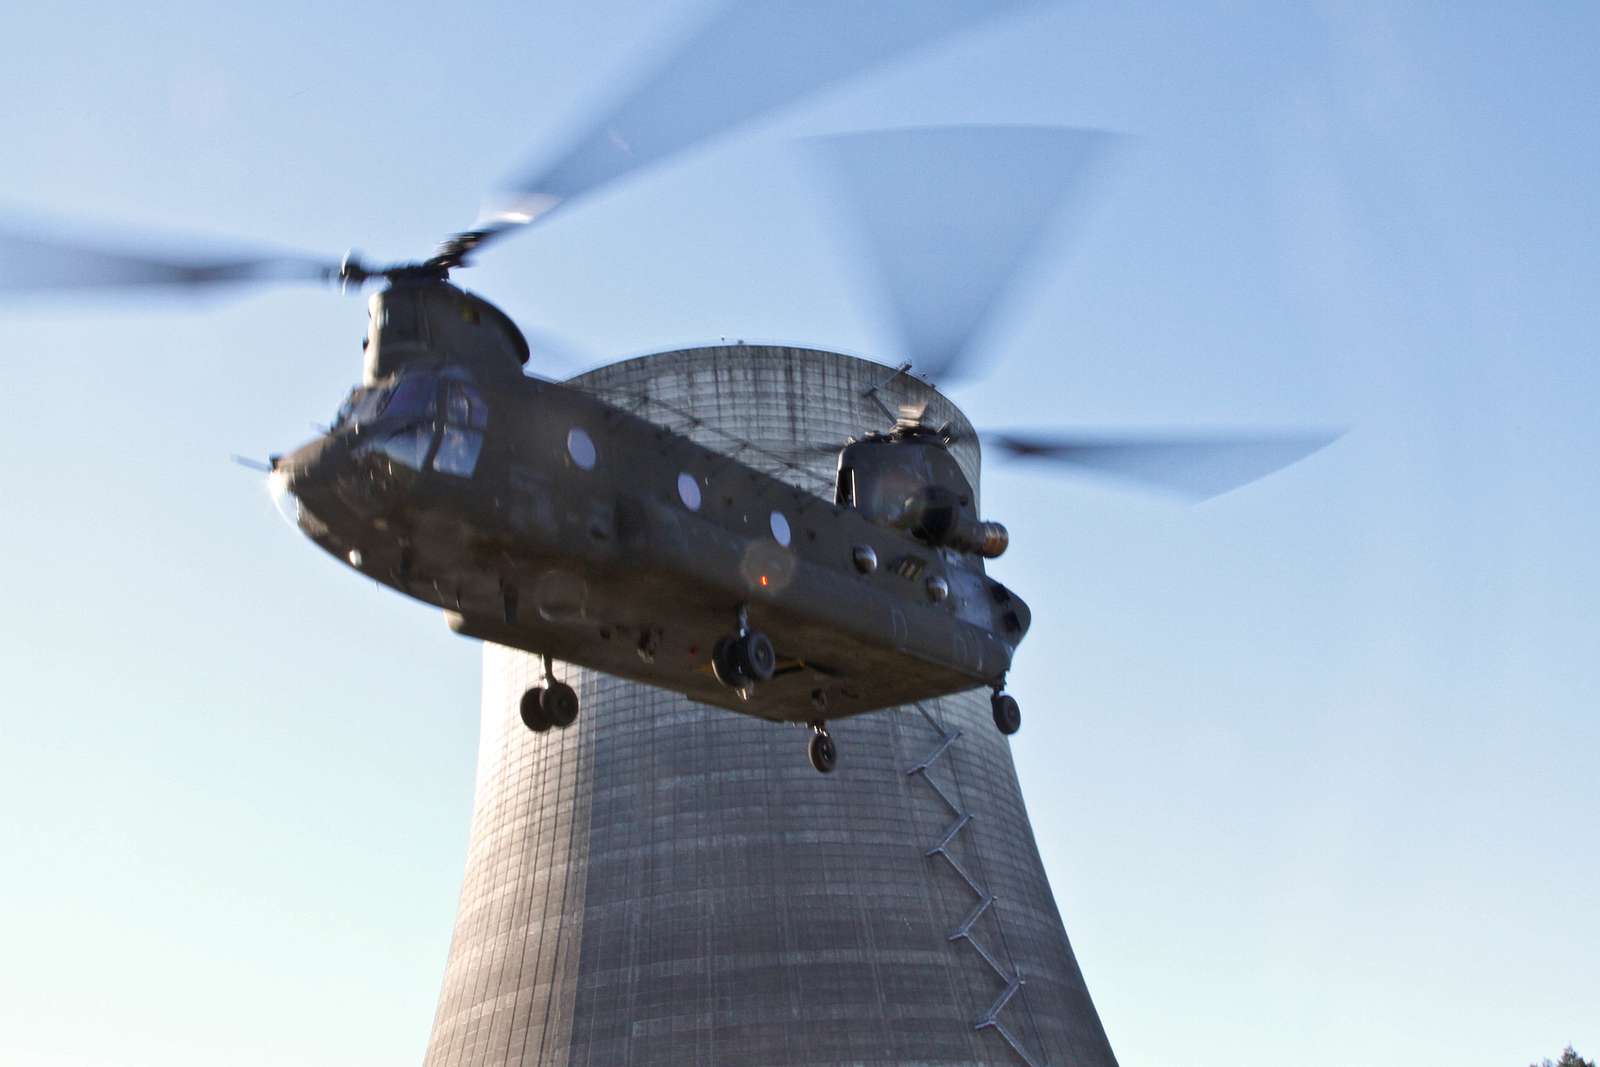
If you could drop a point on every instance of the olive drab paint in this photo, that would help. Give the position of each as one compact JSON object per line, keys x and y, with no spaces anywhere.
{"x":543,"y":517}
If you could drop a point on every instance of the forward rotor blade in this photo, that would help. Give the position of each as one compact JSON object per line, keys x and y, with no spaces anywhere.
{"x":950,"y":215}
{"x":750,"y":58}
{"x":1196,"y":466}
{"x":458,"y":249}
{"x":38,"y":264}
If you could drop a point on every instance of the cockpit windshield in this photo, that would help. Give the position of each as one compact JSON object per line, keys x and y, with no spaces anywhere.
{"x":405,"y":419}
{"x":360,"y":407}
{"x":415,"y":396}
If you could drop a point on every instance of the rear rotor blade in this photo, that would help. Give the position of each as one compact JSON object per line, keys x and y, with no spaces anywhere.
{"x":748,"y":59}
{"x":950,"y":215}
{"x":38,"y":264}
{"x":1196,"y":466}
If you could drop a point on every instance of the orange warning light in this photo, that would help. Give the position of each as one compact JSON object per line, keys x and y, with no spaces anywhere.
{"x":763,"y":581}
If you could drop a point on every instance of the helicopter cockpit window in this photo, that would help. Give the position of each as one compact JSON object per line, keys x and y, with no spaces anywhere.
{"x":458,"y":451}
{"x":464,"y":406}
{"x":462,"y":438}
{"x":413,"y":398}
{"x":360,"y":407}
{"x":409,"y":406}
{"x":412,"y":406}
{"x":408,"y":447}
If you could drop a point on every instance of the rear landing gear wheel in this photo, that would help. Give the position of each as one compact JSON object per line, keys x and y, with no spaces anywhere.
{"x":532,"y":713}
{"x":1007,"y":713}
{"x":559,"y":704}
{"x":821,"y":750}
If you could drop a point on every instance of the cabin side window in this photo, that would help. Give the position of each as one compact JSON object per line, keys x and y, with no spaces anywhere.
{"x":580,"y":448}
{"x":689,"y":491}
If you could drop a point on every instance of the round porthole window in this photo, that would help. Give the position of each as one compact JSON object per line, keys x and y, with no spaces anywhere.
{"x":780,"y":528}
{"x":581,"y":448}
{"x":689,"y":491}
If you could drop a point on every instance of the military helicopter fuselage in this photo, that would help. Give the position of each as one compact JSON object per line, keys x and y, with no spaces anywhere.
{"x":542,"y":517}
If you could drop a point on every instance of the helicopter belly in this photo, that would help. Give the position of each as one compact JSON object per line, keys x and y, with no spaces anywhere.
{"x":852,"y":680}
{"x":654,"y":616}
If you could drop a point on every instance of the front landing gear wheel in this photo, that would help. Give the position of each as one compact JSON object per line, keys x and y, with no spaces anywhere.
{"x":559,"y":705}
{"x":532,"y":713}
{"x":744,"y":660}
{"x":551,"y":704}
{"x":753,"y":655}
{"x":1007,"y":714}
{"x":821,"y":750}
{"x":723,"y":666}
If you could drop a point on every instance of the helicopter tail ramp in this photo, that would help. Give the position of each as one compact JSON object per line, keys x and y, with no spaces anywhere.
{"x":668,"y":883}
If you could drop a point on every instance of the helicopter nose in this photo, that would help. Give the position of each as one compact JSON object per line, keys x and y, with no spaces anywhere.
{"x":280,"y":483}
{"x":301,"y":492}
{"x":304,"y":476}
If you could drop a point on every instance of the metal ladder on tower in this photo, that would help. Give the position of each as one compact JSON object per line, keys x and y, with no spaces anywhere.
{"x":1012,"y":977}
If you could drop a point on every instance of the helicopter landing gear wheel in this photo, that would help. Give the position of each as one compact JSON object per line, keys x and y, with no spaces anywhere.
{"x":551,"y":704}
{"x":532,"y":712}
{"x":744,"y":659}
{"x":824,"y":756}
{"x":724,"y":667}
{"x":754,"y":656}
{"x":559,"y":704}
{"x":1007,"y":713}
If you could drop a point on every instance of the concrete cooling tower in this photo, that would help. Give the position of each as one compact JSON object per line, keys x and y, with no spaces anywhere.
{"x":668,"y":883}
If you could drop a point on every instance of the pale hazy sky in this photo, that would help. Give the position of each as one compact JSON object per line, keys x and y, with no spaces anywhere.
{"x":1312,"y":765}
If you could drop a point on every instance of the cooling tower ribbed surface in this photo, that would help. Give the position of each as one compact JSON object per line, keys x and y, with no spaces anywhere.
{"x":666,"y":883}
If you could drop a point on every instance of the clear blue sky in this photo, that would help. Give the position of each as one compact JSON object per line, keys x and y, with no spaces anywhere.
{"x":1312,"y":765}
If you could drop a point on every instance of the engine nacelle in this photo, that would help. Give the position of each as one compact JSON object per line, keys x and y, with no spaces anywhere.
{"x":934,"y":515}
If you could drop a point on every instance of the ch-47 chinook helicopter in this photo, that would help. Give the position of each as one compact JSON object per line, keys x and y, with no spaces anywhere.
{"x":540,"y":516}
